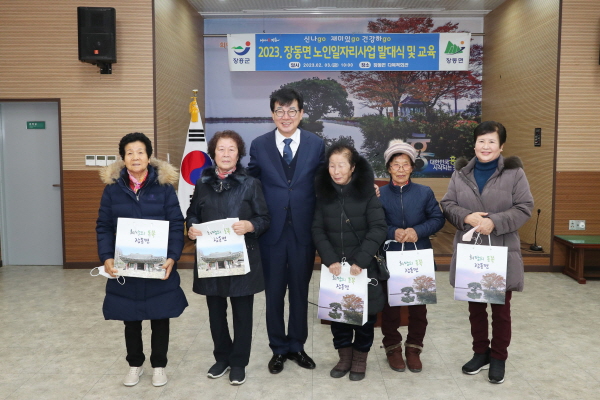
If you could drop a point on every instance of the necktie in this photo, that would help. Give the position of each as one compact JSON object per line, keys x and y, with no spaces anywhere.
{"x":287,"y":151}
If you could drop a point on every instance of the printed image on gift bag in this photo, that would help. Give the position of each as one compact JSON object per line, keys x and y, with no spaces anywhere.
{"x":412,"y":277}
{"x":343,"y":298}
{"x":220,"y":251}
{"x":141,"y":247}
{"x":480,"y":273}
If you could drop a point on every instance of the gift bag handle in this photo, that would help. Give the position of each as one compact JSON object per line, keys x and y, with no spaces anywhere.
{"x":386,"y":245}
{"x":479,"y":235}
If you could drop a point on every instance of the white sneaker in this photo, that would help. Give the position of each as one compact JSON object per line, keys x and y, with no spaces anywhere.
{"x":133,"y":377}
{"x":159,"y":378}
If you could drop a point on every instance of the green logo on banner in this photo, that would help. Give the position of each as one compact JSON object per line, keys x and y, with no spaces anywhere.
{"x":451,"y":48}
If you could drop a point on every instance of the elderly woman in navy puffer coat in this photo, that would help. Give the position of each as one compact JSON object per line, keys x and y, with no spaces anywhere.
{"x":141,"y":187}
{"x":412,"y":214}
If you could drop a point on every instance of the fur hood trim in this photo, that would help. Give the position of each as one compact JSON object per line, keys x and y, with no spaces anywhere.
{"x":167,"y":174}
{"x":209,"y":175}
{"x":460,"y":163}
{"x":512,"y":162}
{"x":360,"y":185}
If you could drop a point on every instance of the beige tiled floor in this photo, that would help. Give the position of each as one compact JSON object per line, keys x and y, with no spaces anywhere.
{"x":54,"y":344}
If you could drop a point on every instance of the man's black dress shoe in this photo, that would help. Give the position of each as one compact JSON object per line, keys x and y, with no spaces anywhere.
{"x":276,"y":363}
{"x":302,"y":359}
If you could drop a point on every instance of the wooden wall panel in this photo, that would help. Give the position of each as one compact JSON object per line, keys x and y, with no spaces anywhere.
{"x":82,"y":191}
{"x":39,"y":59}
{"x":179,"y":69}
{"x":579,"y":87}
{"x":519,"y":90}
{"x":575,"y":200}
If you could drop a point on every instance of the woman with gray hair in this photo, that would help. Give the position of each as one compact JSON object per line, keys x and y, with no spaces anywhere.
{"x":412,"y":214}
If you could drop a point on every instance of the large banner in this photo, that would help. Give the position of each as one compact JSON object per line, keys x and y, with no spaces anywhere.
{"x":349,"y":52}
{"x":432,"y":109}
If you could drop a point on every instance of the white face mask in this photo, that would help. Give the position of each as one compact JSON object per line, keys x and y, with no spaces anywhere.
{"x":469,"y":235}
{"x":102,"y":272}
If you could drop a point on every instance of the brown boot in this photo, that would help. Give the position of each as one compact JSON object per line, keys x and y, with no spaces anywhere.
{"x":412,"y":357}
{"x":343,"y":366}
{"x":359,"y":365}
{"x":394,"y":357}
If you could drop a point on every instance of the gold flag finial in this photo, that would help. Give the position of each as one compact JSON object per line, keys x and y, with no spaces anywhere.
{"x":194,"y":110}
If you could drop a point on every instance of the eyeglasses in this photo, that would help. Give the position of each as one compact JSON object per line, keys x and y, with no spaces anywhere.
{"x":397,"y":167}
{"x":291,"y":113}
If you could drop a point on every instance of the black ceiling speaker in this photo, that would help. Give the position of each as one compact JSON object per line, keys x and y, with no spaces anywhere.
{"x":97,"y":36}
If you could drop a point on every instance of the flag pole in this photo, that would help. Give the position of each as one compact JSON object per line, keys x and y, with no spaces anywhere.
{"x":195,"y":158}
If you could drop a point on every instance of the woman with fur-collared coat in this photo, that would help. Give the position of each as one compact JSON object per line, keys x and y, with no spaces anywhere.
{"x":349,"y":223}
{"x":141,"y":187}
{"x":490,"y":192}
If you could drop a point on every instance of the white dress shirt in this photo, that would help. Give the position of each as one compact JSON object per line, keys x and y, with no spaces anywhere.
{"x":294,"y":145}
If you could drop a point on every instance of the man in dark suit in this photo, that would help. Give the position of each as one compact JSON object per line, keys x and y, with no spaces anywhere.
{"x":285,"y":160}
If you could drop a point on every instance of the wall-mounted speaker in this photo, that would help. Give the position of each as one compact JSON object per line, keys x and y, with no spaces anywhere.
{"x":97,"y":36}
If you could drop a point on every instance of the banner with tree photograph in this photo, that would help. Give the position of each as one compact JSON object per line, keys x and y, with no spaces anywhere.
{"x":434,"y":111}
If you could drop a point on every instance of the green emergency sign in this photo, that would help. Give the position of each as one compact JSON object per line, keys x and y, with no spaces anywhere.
{"x":36,"y":124}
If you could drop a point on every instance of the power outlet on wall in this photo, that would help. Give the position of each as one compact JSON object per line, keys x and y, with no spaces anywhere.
{"x":576,"y":225}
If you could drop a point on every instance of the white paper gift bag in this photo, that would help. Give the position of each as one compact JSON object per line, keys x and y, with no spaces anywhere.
{"x":141,"y":247}
{"x":412,"y":277}
{"x":220,"y":251}
{"x":343,"y":298}
{"x":480,"y":273}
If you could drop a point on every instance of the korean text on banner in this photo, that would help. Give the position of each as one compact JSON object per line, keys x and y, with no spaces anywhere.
{"x":412,"y":277}
{"x":343,"y":298}
{"x":349,"y":52}
{"x":480,"y":273}
{"x":220,"y":251}
{"x":141,"y":247}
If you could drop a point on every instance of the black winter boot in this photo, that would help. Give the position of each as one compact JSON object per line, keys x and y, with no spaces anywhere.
{"x":477,"y":363}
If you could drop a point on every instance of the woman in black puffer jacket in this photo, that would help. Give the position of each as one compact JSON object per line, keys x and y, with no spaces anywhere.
{"x":227,"y":191}
{"x":349,"y":224}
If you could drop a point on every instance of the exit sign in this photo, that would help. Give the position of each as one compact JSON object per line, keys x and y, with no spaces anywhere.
{"x":36,"y":124}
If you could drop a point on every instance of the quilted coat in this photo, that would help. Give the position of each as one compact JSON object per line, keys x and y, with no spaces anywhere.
{"x":411,"y":206}
{"x":237,"y":196}
{"x":141,"y":299}
{"x":336,"y":238}
{"x":507,"y":200}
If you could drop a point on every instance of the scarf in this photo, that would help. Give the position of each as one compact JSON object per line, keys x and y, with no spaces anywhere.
{"x":134,"y":184}
{"x":224,"y":174}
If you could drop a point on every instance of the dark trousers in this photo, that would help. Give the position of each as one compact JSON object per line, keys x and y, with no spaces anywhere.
{"x":343,"y":334}
{"x":390,"y":323}
{"x":287,"y":265}
{"x":501,"y":327}
{"x":159,"y":342}
{"x":235,"y":352}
